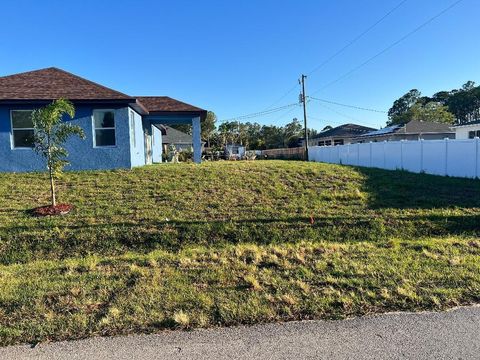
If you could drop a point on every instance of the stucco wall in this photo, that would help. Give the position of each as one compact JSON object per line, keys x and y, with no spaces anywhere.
{"x":137,"y":147}
{"x":462,"y":132}
{"x":157,"y":145}
{"x":82,"y":154}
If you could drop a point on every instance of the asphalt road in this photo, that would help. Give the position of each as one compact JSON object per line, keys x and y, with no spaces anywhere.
{"x":450,"y":335}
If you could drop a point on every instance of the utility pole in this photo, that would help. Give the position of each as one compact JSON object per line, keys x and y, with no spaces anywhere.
{"x":304,"y":102}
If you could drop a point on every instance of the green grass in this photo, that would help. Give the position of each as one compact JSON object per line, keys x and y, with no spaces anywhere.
{"x":182,"y":246}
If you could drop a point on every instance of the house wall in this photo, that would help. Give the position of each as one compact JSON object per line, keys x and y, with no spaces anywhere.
{"x":157,"y":148}
{"x":332,"y":139}
{"x":82,"y":154}
{"x":137,"y":139}
{"x":399,"y":137}
{"x":462,"y":132}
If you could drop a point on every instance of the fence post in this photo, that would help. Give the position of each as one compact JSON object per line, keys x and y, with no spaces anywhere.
{"x":446,"y":156}
{"x":477,"y":157}
{"x":370,"y":157}
{"x":358,"y":154}
{"x":401,"y":154}
{"x":421,"y":155}
{"x":384,"y":154}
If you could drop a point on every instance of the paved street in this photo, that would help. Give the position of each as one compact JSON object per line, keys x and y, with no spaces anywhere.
{"x":450,"y":335}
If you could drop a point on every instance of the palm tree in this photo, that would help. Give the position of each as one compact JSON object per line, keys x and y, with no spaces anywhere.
{"x":50,"y":135}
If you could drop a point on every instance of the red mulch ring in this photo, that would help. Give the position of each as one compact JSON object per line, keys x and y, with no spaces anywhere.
{"x":49,"y":210}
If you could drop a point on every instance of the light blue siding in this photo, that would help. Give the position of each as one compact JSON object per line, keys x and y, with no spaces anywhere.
{"x":157,"y":148}
{"x":129,"y":150}
{"x":136,"y":139}
{"x":82,"y":154}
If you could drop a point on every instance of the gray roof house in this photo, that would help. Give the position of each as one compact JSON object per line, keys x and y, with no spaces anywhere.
{"x":340,"y":135}
{"x":181,"y":140}
{"x":413,"y":130}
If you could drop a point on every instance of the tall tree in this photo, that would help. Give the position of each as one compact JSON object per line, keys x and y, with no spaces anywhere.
{"x":432,"y":112}
{"x":50,"y":135}
{"x":465,"y":103}
{"x":228,"y":132}
{"x":399,"y":112}
{"x":292,"y":132}
{"x":208,"y":126}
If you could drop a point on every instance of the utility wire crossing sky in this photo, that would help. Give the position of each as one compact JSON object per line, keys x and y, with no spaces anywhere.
{"x":243,"y":59}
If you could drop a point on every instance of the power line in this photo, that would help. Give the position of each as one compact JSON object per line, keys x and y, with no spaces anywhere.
{"x":337,"y":53}
{"x":335,"y":122}
{"x":260,"y":113}
{"x":358,"y":37}
{"x":340,"y":113}
{"x":347,"y":116}
{"x":348,"y":106}
{"x":418,"y":28}
{"x":287,"y":113}
{"x":283,"y":96}
{"x":350,"y":43}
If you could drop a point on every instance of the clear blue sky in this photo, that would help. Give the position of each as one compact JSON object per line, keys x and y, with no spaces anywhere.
{"x":240,"y":57}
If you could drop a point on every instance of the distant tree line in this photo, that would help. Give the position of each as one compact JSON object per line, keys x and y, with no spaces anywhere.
{"x":260,"y":137}
{"x":252,"y":135}
{"x":457,"y":106}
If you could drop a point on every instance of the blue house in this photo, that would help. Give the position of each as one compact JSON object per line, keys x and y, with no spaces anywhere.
{"x":122,"y":131}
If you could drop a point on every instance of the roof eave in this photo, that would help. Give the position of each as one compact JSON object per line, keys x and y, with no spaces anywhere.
{"x":75,"y":101}
{"x":201,"y":113}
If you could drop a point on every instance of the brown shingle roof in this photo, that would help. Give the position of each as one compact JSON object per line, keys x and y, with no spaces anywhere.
{"x":166,"y":104}
{"x":52,"y":83}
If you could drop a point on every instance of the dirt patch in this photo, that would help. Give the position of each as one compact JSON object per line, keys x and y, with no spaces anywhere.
{"x":49,"y":210}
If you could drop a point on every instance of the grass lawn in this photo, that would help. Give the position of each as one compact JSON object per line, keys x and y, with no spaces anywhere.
{"x":181,"y":246}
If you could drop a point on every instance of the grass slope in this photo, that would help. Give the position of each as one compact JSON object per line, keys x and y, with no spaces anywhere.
{"x":228,"y":243}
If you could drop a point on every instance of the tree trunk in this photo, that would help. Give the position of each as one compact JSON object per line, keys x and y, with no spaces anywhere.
{"x":52,"y":188}
{"x":50,"y":172}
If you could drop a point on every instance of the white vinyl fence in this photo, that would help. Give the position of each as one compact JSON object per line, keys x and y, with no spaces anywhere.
{"x":459,"y":158}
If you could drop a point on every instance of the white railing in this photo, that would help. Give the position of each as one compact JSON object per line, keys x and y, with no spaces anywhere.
{"x":459,"y":158}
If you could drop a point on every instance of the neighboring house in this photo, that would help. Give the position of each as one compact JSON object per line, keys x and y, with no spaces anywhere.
{"x":413,"y":130}
{"x":234,"y":151}
{"x":470,"y":130}
{"x":182,"y":141}
{"x":122,"y":131}
{"x":340,"y":135}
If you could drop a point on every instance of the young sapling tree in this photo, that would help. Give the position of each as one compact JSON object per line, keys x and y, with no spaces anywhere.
{"x":50,"y":134}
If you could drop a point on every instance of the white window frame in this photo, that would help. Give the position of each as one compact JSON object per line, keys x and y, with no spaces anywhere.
{"x":132,"y":128}
{"x":94,"y":129}
{"x":12,"y":141}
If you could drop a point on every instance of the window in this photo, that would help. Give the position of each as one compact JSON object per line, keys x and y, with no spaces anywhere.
{"x":321,"y":143}
{"x":328,"y":142}
{"x":473,"y":134}
{"x":103,"y":128}
{"x":22,"y":129}
{"x":132,"y":128}
{"x":338,"y":142}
